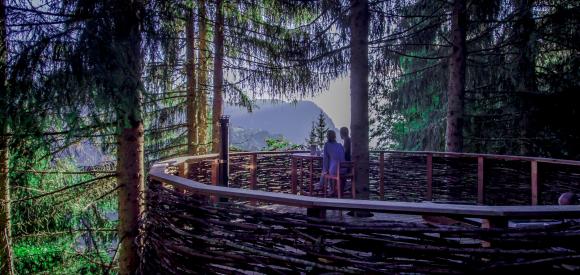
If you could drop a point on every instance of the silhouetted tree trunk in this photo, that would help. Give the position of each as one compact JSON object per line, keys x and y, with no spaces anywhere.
{"x":359,"y":94}
{"x":130,"y":169}
{"x":456,"y":89}
{"x":202,"y":78}
{"x":192,"y":98}
{"x":218,"y":75}
{"x":525,"y":71}
{"x":6,"y":261}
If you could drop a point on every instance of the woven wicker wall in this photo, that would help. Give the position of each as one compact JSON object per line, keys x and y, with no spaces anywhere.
{"x":506,"y":182}
{"x":185,"y":234}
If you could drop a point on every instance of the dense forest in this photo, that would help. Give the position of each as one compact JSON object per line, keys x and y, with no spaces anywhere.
{"x":144,"y":80}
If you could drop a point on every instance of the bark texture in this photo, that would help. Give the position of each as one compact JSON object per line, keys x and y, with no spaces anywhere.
{"x":456,"y":85}
{"x":202,"y":78}
{"x":129,"y":96}
{"x":359,"y":94}
{"x":218,"y":76}
{"x":192,"y":97}
{"x":6,"y":257}
{"x":525,"y":71}
{"x":130,"y":178}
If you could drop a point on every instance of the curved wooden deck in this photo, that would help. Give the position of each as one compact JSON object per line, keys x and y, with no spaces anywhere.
{"x":159,"y":172}
{"x":184,"y":230}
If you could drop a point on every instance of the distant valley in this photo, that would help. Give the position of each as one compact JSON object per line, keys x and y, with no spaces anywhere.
{"x":270,"y":118}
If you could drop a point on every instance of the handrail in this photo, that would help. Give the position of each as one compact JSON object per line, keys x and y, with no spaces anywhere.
{"x":158,"y":174}
{"x":487,"y":156}
{"x":434,"y":153}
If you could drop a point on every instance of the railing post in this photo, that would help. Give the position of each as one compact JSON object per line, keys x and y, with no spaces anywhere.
{"x":182,"y":170}
{"x":214,"y":172}
{"x":223,"y":175}
{"x":381,"y":175}
{"x":253,"y":171}
{"x":480,"y":181}
{"x":294,"y":175}
{"x":429,"y":195}
{"x":311,"y":176}
{"x":253,"y":174}
{"x":534,"y":176}
{"x":214,"y":178}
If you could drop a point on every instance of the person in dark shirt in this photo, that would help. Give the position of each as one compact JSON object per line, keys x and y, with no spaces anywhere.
{"x":345,"y":142}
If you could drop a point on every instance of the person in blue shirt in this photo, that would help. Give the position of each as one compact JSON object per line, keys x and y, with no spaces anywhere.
{"x":333,"y":154}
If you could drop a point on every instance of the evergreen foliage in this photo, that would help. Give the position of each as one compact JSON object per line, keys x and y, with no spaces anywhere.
{"x":318,"y":131}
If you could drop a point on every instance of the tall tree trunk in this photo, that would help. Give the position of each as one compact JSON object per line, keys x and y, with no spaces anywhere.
{"x":218,"y":76}
{"x":130,"y":167}
{"x":202,"y":78}
{"x":6,"y":261}
{"x":192,"y":101}
{"x":359,"y":94}
{"x":456,"y":89}
{"x":525,"y":71}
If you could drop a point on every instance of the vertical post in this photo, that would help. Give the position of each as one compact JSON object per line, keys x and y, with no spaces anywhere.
{"x":253,"y":171}
{"x":182,"y":169}
{"x":302,"y":186}
{"x":480,"y":194}
{"x":214,"y":172}
{"x":182,"y":172}
{"x":294,"y":174}
{"x":223,"y":176}
{"x":382,"y":175}
{"x":253,"y":174}
{"x":311,"y":175}
{"x":214,"y":177}
{"x":429,"y":195}
{"x":534,"y":182}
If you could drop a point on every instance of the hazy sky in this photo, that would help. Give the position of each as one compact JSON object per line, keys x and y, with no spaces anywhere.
{"x":336,"y":102}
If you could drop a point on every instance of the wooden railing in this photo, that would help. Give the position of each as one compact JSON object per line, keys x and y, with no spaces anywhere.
{"x":491,"y":214}
{"x":481,"y":159}
{"x":383,"y":160}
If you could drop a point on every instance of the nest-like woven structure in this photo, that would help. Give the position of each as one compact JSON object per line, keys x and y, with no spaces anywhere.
{"x":188,"y":234}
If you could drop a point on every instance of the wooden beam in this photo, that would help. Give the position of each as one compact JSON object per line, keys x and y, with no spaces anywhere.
{"x":382,"y":175}
{"x":482,"y":211}
{"x":214,"y":172}
{"x":311,"y":176}
{"x":253,"y":171}
{"x":480,"y":181}
{"x":294,"y":175}
{"x":183,"y":170}
{"x":534,"y":175}
{"x":429,"y":196}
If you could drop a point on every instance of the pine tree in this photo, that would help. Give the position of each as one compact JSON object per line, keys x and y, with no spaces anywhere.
{"x":457,"y":69}
{"x":218,"y":74}
{"x":359,"y":93}
{"x":318,"y":131}
{"x":6,"y":257}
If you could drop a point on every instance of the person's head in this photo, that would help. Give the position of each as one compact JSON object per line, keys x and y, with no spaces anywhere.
{"x":331,"y":136}
{"x":568,"y":198}
{"x":343,"y":132}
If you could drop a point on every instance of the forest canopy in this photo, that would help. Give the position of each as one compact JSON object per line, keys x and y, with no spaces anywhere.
{"x":93,"y":92}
